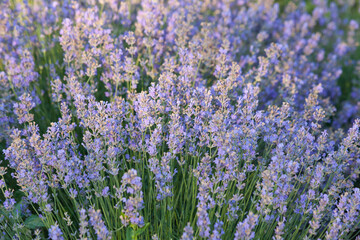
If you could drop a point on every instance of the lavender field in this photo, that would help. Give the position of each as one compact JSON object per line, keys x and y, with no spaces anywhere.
{"x":179,"y":119}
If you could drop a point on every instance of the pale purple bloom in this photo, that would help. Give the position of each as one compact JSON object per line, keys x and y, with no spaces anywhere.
{"x":55,"y":233}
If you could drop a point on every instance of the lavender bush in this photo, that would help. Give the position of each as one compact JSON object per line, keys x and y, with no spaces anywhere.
{"x":181,"y":119}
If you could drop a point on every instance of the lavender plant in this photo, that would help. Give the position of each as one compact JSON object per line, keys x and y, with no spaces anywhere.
{"x":179,"y":119}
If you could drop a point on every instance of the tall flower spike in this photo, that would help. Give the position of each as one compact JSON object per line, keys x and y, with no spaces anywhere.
{"x":163,"y":175}
{"x":83,"y":224}
{"x":22,"y":109}
{"x":188,"y":233}
{"x":132,"y":199}
{"x":98,"y":224}
{"x":245,"y":229}
{"x":55,"y":233}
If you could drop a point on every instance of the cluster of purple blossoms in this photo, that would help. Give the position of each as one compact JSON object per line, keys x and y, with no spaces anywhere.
{"x":98,"y":224}
{"x":184,"y":119}
{"x":131,"y":205}
{"x":55,"y":233}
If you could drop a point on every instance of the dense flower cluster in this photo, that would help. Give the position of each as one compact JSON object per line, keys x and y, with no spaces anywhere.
{"x":182,"y":119}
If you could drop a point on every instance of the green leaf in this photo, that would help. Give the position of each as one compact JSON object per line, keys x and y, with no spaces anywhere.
{"x":18,"y":195}
{"x":17,"y":209}
{"x":34,"y":222}
{"x":141,"y":230}
{"x":129,"y":233}
{"x":2,"y":212}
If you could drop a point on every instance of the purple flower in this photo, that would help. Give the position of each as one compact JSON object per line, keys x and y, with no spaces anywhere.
{"x":98,"y":224}
{"x":244,"y":230}
{"x":188,"y":233}
{"x":55,"y":233}
{"x":131,"y":195}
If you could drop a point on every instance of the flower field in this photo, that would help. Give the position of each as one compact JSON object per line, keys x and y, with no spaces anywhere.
{"x":179,"y":119}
